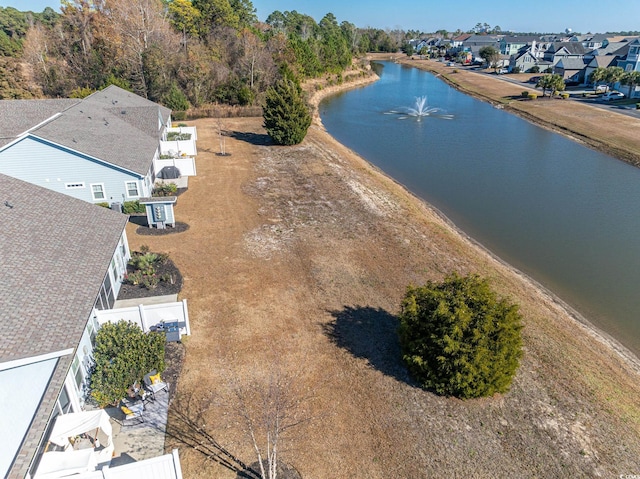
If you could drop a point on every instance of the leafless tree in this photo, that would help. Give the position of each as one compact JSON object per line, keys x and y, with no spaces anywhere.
{"x":269,"y":408}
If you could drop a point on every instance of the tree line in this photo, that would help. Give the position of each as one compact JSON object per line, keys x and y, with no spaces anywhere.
{"x":177,"y":52}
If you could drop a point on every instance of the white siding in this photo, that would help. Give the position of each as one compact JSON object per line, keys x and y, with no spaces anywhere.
{"x":46,"y":165}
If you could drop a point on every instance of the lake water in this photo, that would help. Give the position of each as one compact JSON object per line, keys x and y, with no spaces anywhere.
{"x":564,"y":214}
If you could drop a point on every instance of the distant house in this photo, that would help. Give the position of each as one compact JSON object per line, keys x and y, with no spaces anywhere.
{"x":511,"y":45}
{"x":104,"y":148}
{"x":527,"y":58}
{"x":563,"y":50}
{"x":603,"y":61}
{"x":571,"y":69}
{"x":460,"y":39}
{"x":630,"y":63}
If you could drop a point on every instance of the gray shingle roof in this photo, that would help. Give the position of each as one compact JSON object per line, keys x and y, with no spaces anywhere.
{"x":20,"y":115}
{"x":574,"y":48}
{"x":571,"y":63}
{"x":55,"y":252}
{"x":113,"y":125}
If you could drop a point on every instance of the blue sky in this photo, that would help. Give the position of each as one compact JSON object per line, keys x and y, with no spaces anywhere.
{"x":430,"y":15}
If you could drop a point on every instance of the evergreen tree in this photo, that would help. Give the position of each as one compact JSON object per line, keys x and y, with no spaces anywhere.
{"x":459,"y":339}
{"x":286,"y":116}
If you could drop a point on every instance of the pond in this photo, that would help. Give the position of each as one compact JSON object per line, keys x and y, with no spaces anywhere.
{"x":564,"y":214}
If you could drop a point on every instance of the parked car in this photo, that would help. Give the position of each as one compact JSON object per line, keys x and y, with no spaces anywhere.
{"x":535,"y":79}
{"x":612,"y":95}
{"x":602,"y":88}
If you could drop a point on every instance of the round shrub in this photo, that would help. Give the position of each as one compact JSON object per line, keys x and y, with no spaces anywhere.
{"x":532,"y":96}
{"x":565,"y":96}
{"x":459,"y":339}
{"x":525,"y":94}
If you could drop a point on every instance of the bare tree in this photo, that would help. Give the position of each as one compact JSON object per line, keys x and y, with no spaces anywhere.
{"x":269,"y":408}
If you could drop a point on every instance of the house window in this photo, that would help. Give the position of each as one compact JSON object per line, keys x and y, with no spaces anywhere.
{"x":73,"y":186}
{"x":629,"y":67}
{"x":63,"y":403}
{"x":77,"y":373}
{"x":97,"y":190}
{"x":132,"y":189}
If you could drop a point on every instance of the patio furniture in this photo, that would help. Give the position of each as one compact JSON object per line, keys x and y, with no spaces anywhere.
{"x":154,"y":383}
{"x":133,"y":413}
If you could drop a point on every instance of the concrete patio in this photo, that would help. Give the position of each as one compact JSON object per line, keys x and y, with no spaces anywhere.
{"x":143,"y":440}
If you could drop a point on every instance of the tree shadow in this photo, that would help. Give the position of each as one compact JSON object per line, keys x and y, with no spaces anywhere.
{"x":186,"y":427}
{"x":259,"y":139}
{"x":371,"y":334}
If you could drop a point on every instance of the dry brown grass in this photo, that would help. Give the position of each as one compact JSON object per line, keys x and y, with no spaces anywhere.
{"x":299,"y":257}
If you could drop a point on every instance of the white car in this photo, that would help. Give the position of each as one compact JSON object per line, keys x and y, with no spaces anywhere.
{"x":612,"y":95}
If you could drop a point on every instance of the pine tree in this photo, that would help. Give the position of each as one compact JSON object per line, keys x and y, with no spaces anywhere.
{"x":459,"y":339}
{"x":286,"y":116}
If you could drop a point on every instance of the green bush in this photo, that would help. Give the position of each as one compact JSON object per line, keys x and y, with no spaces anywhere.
{"x":179,"y":115}
{"x":104,"y":204}
{"x":565,"y":96}
{"x":532,"y":96}
{"x":177,"y":136}
{"x":131,"y":207}
{"x":459,"y":339}
{"x":637,"y":106}
{"x":165,"y":189}
{"x":525,"y":94}
{"x":123,"y":355}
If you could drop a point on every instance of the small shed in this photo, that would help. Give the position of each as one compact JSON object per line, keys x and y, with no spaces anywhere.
{"x":160,"y":211}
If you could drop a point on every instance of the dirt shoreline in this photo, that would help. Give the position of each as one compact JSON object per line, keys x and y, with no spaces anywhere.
{"x":610,"y":341}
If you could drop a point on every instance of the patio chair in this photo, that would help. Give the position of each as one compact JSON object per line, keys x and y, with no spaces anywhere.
{"x":154,"y":383}
{"x":133,"y":414}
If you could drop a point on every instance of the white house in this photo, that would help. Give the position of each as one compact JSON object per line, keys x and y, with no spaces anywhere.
{"x":102,"y":149}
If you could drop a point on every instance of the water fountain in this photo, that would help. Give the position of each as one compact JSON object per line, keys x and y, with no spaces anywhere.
{"x":421,"y":110}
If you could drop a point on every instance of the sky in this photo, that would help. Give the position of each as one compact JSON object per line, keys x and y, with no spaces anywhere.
{"x":595,"y":16}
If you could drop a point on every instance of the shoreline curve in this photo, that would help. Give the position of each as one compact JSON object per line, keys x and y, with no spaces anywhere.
{"x":583,"y":323}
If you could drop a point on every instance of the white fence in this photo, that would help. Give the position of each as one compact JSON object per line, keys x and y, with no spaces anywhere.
{"x":150,"y":316}
{"x":178,"y":148}
{"x":186,"y":165}
{"x":184,"y":129}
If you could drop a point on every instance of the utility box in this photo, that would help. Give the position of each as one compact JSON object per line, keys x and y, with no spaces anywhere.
{"x":160,"y":211}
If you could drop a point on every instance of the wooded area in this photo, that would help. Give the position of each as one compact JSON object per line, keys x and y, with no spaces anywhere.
{"x":180,"y":53}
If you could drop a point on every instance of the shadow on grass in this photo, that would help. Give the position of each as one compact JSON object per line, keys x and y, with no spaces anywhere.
{"x":253,"y":138}
{"x":371,"y":334}
{"x":187,"y":428}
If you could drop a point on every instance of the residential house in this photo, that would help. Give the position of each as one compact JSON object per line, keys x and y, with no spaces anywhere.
{"x":600,"y":61}
{"x":511,"y":45}
{"x":62,"y":258}
{"x":104,"y":148}
{"x":528,"y":57}
{"x":630,"y":63}
{"x":571,"y":69}
{"x":563,"y":50}
{"x":475,"y":43}
{"x":458,"y":41}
